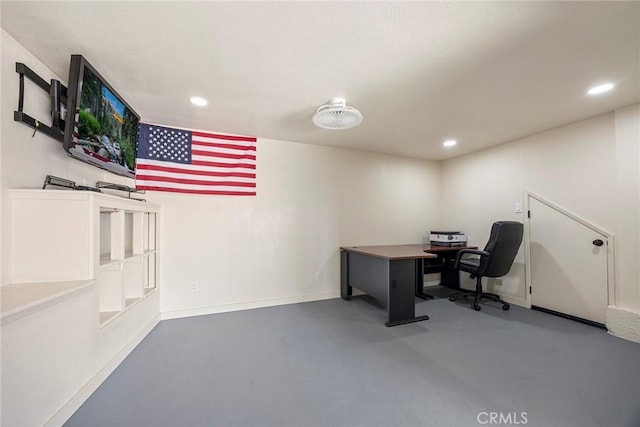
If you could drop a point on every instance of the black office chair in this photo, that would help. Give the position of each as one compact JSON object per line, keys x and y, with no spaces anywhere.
{"x":494,"y":261}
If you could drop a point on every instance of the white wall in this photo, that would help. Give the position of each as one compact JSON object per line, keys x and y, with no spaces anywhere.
{"x":627,"y":131}
{"x":253,"y":251}
{"x":623,"y":317}
{"x":589,"y":168}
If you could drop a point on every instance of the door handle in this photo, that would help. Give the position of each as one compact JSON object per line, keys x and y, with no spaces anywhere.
{"x":598,"y":242}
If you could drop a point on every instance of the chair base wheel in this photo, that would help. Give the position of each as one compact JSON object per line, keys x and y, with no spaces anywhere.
{"x":478,"y":298}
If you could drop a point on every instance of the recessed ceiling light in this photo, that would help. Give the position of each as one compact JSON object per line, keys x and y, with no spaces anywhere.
{"x":196,"y":100}
{"x":600,"y":89}
{"x":449,"y":143}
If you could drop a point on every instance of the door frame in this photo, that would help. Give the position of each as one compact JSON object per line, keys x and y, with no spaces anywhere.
{"x":609,"y":240}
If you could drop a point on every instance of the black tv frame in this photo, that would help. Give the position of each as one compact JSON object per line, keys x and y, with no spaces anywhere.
{"x":76,"y":74}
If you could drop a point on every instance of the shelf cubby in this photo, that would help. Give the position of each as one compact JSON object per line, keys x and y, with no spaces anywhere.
{"x":150,"y":232}
{"x":110,"y":294}
{"x":129,"y":232}
{"x":150,"y":271}
{"x":133,"y":280}
{"x":106,"y":316}
{"x":105,"y":236}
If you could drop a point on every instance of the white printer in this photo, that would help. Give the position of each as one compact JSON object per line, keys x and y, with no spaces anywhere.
{"x":447,"y":238}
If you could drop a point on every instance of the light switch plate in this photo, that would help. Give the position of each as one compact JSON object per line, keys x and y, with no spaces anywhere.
{"x":517,"y":207}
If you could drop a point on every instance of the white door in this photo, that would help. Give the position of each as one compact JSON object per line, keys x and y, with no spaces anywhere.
{"x":568,"y":268}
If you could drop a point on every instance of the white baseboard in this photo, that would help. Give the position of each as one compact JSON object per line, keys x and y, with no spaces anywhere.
{"x":515,"y":301}
{"x":65,"y":412}
{"x":271,"y":302}
{"x":623,"y":323}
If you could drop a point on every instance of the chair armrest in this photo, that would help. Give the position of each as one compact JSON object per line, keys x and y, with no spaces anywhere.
{"x":468,"y":251}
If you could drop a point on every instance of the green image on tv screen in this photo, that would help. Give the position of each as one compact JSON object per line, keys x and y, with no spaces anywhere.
{"x":106,"y":126}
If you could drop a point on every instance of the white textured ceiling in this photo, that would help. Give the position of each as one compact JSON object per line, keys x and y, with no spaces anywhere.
{"x":420,"y":72}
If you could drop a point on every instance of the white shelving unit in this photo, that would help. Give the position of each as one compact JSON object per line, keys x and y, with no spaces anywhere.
{"x":83,"y":290}
{"x":75,"y":235}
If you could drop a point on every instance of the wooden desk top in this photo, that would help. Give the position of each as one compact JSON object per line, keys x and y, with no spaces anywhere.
{"x":392,"y":252}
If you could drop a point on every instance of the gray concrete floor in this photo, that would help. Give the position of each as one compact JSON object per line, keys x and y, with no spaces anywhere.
{"x":334,"y":363}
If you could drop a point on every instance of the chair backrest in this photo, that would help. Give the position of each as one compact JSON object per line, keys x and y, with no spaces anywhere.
{"x":503,"y":245}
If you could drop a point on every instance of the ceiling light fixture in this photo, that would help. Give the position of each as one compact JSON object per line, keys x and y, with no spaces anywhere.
{"x":450,"y":143}
{"x":596,"y":90}
{"x":198,"y":101}
{"x":337,"y":115}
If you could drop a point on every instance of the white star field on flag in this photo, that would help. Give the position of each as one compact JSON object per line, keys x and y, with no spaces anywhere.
{"x":169,"y":144}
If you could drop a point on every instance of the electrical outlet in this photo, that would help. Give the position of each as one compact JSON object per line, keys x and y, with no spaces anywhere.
{"x":318,"y":276}
{"x":194,"y":287}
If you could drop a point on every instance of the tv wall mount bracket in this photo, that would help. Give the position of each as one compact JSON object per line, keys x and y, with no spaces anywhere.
{"x":58,"y":98}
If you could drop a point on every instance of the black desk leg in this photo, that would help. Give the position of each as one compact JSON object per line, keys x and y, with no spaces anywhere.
{"x":345,"y":289}
{"x":401,"y":305}
{"x":420,"y":281}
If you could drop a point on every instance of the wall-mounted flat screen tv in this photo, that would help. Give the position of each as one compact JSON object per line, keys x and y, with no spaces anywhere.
{"x":101,"y":128}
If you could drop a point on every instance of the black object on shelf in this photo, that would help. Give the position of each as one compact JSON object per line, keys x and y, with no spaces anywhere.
{"x":66,"y":183}
{"x":120,"y":187}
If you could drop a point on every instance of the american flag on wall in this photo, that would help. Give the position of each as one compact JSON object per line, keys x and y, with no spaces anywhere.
{"x":186,"y":161}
